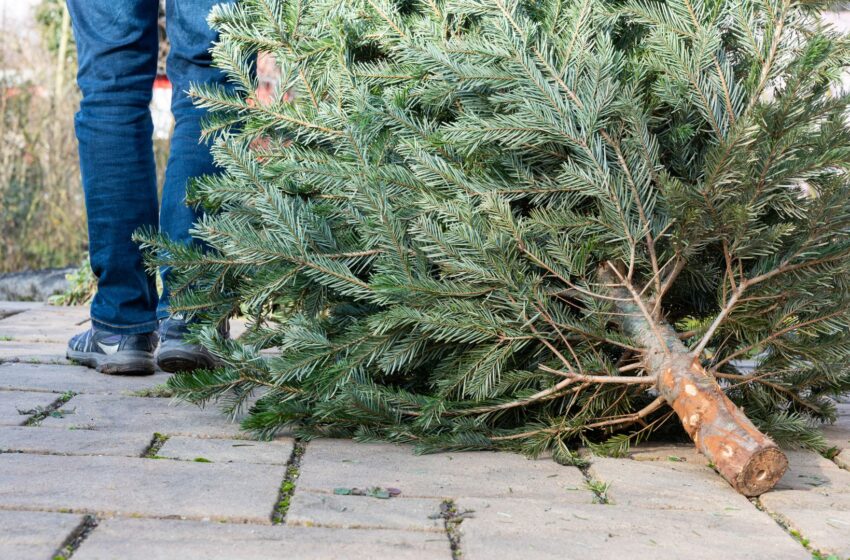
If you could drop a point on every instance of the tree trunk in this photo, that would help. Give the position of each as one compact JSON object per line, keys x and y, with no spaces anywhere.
{"x":749,"y":460}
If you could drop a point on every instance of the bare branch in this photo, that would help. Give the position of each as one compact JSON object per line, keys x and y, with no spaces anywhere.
{"x":609,"y":379}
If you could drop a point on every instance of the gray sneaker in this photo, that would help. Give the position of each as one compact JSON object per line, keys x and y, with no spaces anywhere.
{"x":174,"y":354}
{"x":118,"y":354}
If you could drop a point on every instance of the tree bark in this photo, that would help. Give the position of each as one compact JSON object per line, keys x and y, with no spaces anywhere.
{"x":748,"y":459}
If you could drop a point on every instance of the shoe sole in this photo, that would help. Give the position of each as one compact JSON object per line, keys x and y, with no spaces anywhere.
{"x":179,"y":359}
{"x":126,"y":362}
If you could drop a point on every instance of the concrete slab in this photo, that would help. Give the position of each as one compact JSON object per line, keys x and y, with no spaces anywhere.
{"x":14,"y":404}
{"x":837,"y":435}
{"x":275,"y":452}
{"x":61,"y":378}
{"x":362,"y":512}
{"x":138,"y":414}
{"x":139,"y":487}
{"x":673,"y":453}
{"x":821,"y":518}
{"x":33,"y":352}
{"x":666,"y":485}
{"x":330,"y":463}
{"x":548,"y":529}
{"x":9,"y":308}
{"x":149,"y":539}
{"x":30,"y":535}
{"x":810,"y":471}
{"x":59,"y":441}
{"x":47,"y":323}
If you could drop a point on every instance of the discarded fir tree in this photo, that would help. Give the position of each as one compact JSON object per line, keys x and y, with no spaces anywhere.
{"x":526,"y":224}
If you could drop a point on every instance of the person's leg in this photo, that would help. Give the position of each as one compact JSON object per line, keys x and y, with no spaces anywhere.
{"x":189,"y":62}
{"x":117,"y":53}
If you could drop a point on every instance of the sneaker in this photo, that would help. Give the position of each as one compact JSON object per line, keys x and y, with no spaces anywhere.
{"x":174,"y":354}
{"x":114,"y":354}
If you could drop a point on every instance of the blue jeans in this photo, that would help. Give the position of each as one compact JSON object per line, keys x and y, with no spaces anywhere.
{"x":117,"y":45}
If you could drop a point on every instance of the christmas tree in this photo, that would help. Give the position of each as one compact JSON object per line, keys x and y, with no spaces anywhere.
{"x":528,"y":225}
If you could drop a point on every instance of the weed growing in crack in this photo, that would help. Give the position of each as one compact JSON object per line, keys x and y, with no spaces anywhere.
{"x":796,"y":535}
{"x":287,"y":487}
{"x":599,"y":489}
{"x":54,"y":410}
{"x":452,"y":518}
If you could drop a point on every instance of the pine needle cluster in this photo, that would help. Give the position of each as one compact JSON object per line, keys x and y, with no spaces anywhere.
{"x":444,"y":221}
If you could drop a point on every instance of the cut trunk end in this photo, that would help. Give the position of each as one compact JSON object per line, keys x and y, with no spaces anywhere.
{"x":762,"y":472}
{"x":749,"y":460}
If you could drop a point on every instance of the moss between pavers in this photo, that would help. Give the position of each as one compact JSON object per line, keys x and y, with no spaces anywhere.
{"x":157,"y":442}
{"x":76,"y":538}
{"x":796,"y":535}
{"x":287,"y":487}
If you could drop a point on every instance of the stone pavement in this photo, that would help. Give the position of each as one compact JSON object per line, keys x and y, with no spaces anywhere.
{"x":104,"y":468}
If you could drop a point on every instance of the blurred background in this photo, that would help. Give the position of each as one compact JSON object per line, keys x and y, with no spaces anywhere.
{"x":43,"y":219}
{"x":42,"y":215}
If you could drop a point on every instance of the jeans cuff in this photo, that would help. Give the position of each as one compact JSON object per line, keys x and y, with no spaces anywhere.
{"x":138,"y":328}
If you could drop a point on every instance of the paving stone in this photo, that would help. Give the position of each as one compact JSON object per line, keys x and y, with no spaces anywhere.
{"x":33,"y":352}
{"x":139,"y":487}
{"x":61,"y":378}
{"x":822,"y":519}
{"x":810,"y":471}
{"x":678,"y":453}
{"x":31,"y":535}
{"x":45,"y":324}
{"x":330,"y":463}
{"x":138,"y":414}
{"x":150,"y":539}
{"x":9,"y":308}
{"x":59,"y":441}
{"x":837,"y":436}
{"x":666,"y":485}
{"x":12,"y":403}
{"x":549,"y":529}
{"x":363,"y":512}
{"x":228,"y":450}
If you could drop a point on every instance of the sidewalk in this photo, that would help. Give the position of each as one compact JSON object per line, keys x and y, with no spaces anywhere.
{"x":98,"y":467}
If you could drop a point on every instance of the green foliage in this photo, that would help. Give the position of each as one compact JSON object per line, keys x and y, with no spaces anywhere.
{"x":48,"y":16}
{"x":82,"y":286}
{"x":418,"y":220}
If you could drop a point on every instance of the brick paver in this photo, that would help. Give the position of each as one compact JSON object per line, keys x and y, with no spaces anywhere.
{"x":34,"y":534}
{"x":15,"y":404}
{"x":18,"y":439}
{"x":32,"y":352}
{"x":139,"y":487}
{"x":363,"y":512}
{"x":211,"y":493}
{"x":134,"y":414}
{"x":46,"y":323}
{"x":148,"y":539}
{"x":666,"y":485}
{"x":551,"y":530}
{"x":61,"y":378}
{"x":337,"y":463}
{"x":276,"y":452}
{"x":822,"y":518}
